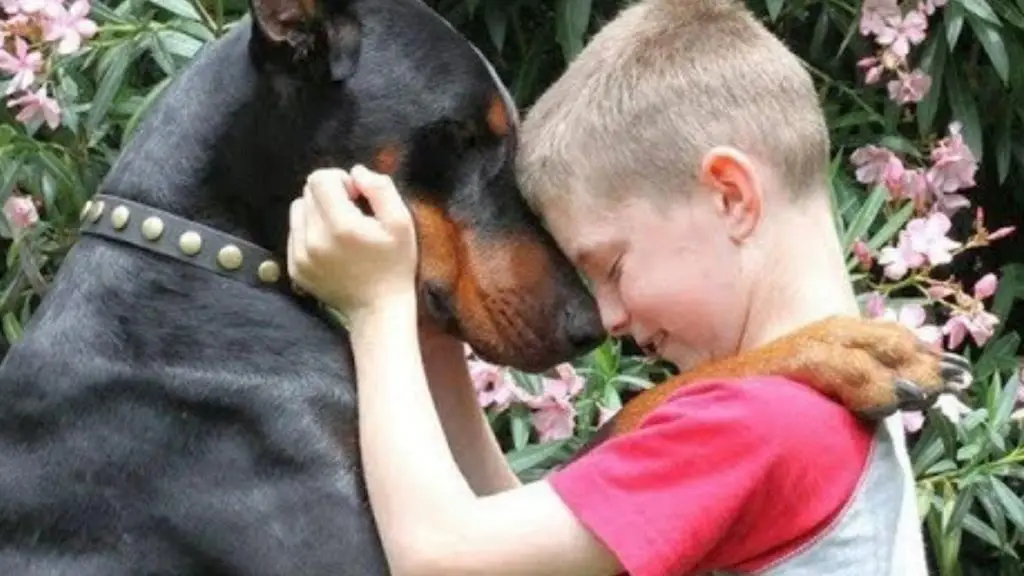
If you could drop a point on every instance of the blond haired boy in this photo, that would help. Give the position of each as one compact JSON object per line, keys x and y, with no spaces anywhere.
{"x":681,"y":163}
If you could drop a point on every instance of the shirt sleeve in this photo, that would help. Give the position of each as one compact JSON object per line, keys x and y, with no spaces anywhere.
{"x":673,"y":496}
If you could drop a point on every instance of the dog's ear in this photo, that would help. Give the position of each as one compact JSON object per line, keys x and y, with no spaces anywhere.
{"x":310,"y":31}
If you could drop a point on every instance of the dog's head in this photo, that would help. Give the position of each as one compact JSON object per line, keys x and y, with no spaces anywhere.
{"x":389,"y":84}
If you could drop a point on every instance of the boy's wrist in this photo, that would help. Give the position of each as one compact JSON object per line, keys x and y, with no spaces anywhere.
{"x":383,"y":312}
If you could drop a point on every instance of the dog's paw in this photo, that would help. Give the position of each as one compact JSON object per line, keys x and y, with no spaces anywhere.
{"x":875,"y":368}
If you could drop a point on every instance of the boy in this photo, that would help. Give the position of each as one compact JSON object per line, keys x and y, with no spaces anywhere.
{"x":681,"y":163}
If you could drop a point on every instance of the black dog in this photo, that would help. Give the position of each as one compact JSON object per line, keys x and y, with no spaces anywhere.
{"x":163,"y":418}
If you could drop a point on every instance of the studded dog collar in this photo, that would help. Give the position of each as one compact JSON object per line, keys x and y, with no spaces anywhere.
{"x":158,"y":231}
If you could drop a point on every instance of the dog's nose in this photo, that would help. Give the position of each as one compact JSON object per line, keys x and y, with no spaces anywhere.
{"x":438,"y":302}
{"x":582,"y":325}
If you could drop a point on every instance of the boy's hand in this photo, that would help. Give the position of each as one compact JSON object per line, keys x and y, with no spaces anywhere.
{"x":351,"y":261}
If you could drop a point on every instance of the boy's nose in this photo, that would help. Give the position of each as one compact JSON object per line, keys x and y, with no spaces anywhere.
{"x":613,"y":316}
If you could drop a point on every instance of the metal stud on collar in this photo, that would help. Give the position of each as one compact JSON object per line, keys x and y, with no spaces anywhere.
{"x":175,"y":237}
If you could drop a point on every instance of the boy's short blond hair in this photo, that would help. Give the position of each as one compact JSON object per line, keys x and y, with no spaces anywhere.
{"x":658,"y":87}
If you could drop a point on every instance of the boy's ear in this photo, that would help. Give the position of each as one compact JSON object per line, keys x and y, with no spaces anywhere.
{"x":735,"y":182}
{"x":310,"y":31}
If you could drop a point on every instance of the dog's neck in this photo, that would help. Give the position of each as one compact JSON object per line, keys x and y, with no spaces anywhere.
{"x":200,"y":155}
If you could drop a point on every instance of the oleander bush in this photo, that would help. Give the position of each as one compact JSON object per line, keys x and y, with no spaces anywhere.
{"x":925,"y":108}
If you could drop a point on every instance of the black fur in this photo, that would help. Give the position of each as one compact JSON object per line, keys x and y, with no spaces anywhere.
{"x":159,"y":419}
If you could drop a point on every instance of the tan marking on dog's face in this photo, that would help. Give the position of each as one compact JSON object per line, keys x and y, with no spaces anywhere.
{"x":498,"y":117}
{"x":502,"y":289}
{"x":387,"y":159}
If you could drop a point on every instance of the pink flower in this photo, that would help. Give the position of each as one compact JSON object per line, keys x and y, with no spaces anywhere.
{"x":605,"y":414}
{"x":986,"y":286}
{"x":874,"y":305}
{"x":70,"y":26}
{"x":22,"y":63}
{"x":910,"y":87}
{"x":899,"y":260}
{"x":914,"y":317}
{"x":554,"y":420}
{"x":980,"y":324}
{"x":928,"y":7}
{"x":913,"y":185}
{"x":953,"y":163}
{"x":940,"y":291}
{"x":928,"y":237}
{"x":863,"y":254}
{"x":898,"y":34}
{"x":27,"y":6}
{"x":873,"y":67}
{"x":875,"y":13}
{"x":21,"y":212}
{"x":876,"y":165}
{"x":35,"y":105}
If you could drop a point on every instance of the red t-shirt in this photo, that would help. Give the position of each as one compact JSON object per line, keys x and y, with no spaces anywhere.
{"x":723,"y":475}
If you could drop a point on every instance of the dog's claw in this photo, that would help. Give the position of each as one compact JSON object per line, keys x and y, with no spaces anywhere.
{"x":956,"y":360}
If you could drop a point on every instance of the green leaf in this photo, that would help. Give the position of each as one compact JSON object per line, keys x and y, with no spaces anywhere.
{"x":1004,"y":146}
{"x":12,"y":328}
{"x":774,"y":8}
{"x":496,"y":19}
{"x":954,"y":16}
{"x":143,"y":107}
{"x":180,"y":7}
{"x":109,"y":85}
{"x":1010,"y":502}
{"x":933,"y":62}
{"x":1007,"y":401}
{"x":965,"y":110}
{"x":865,"y":216}
{"x":981,"y":9}
{"x":891,"y":227}
{"x":572,"y":20}
{"x":999,"y":354}
{"x":983,"y":531}
{"x":992,"y":42}
{"x":537,"y":455}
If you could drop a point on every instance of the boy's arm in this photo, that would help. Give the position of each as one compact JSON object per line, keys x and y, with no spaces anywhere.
{"x":469,"y":435}
{"x":429,"y":518}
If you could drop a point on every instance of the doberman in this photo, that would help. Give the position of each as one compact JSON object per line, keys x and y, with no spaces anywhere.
{"x":176,"y":408}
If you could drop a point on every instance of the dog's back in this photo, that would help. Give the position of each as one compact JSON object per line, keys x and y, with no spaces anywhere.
{"x":159,"y":419}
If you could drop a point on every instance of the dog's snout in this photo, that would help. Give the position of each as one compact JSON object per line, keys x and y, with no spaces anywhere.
{"x":582,"y":326}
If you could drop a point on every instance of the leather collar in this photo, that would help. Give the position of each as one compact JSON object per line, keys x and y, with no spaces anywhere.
{"x":186,"y":241}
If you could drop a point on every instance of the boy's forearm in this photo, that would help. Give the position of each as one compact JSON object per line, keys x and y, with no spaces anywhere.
{"x":469,"y":435}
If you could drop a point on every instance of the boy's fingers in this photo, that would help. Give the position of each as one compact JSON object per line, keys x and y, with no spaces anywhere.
{"x":327,"y":190}
{"x":296,"y":238}
{"x":380,"y":192}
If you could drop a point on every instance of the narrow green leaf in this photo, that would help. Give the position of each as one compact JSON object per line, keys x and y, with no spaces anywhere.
{"x":992,"y":41}
{"x":891,"y":227}
{"x":933,"y":62}
{"x":981,"y":9}
{"x":496,"y":19}
{"x":144,"y":106}
{"x":774,"y":8}
{"x":965,"y":110}
{"x":537,"y":455}
{"x":954,"y":16}
{"x":12,"y":328}
{"x":865,"y":216}
{"x":1004,"y":145}
{"x":1011,"y":503}
{"x":572,"y":18}
{"x":179,"y":7}
{"x":109,"y":85}
{"x":983,"y":531}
